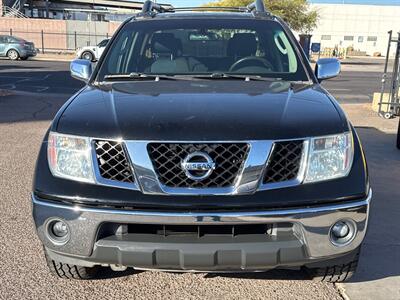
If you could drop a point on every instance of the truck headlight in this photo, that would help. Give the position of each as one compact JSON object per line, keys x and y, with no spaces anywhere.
{"x":70,"y":157}
{"x":330,"y":157}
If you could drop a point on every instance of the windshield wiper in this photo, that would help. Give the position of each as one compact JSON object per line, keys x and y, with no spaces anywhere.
{"x":236,"y":77}
{"x":137,"y":76}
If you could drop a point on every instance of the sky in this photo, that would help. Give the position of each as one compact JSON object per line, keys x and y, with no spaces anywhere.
{"x":181,"y":3}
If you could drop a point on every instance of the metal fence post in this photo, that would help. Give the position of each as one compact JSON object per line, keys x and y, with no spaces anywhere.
{"x":75,"y":40}
{"x":384,"y":76}
{"x":395,"y":78}
{"x":42,"y":41}
{"x":10,"y":31}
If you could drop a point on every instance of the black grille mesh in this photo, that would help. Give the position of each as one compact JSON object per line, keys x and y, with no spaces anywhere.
{"x":167,"y":159}
{"x":284,"y":162}
{"x":112,"y":161}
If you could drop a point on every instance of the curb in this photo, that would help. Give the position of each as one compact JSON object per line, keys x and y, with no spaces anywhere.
{"x":342,"y":291}
{"x":53,"y":59}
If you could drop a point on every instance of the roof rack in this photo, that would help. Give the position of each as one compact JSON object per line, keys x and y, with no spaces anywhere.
{"x":209,"y":8}
{"x":257,"y":6}
{"x":151,"y":8}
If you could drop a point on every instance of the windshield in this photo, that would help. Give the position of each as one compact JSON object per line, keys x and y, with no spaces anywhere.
{"x":103,"y":43}
{"x":201,"y":47}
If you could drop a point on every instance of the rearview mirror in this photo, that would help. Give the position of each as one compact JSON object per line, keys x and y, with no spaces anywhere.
{"x":81,"y":69}
{"x":327,"y":68}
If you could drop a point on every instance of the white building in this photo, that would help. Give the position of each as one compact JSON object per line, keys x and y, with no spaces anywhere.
{"x":364,"y":27}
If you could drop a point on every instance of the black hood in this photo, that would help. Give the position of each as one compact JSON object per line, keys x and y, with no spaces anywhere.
{"x":186,"y":110}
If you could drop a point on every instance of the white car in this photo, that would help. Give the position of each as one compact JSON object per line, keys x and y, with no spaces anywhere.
{"x":92,"y":53}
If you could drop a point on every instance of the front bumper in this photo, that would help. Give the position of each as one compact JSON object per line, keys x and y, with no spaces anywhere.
{"x":28,"y":53}
{"x":307,"y":243}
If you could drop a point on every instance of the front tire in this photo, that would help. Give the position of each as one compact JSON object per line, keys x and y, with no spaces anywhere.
{"x":13,"y":54}
{"x":68,"y":271}
{"x":88,"y":56}
{"x":336,"y":273}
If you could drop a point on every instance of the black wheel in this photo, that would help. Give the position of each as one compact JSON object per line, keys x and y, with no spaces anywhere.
{"x":336,"y":273}
{"x":87,"y":55}
{"x":13,"y":54}
{"x":24,"y":58}
{"x":68,"y":271}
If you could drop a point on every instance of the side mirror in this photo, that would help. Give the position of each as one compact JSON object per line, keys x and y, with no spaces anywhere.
{"x":327,"y":68}
{"x":81,"y":69}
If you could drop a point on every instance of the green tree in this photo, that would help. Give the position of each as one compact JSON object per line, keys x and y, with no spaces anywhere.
{"x":297,"y":13}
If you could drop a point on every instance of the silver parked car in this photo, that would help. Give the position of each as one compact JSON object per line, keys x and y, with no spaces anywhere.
{"x":14,"y":48}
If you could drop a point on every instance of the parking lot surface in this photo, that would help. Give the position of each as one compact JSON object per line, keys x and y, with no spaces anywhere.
{"x":24,"y":118}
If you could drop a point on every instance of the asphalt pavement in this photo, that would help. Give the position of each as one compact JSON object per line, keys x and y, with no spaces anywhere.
{"x":41,"y":87}
{"x":44,"y":77}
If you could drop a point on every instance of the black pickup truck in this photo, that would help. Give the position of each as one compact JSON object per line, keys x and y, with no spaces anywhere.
{"x":202,"y":141}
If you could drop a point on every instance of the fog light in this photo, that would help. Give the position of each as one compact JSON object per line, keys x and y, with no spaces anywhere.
{"x":58,"y":231}
{"x":340,"y":230}
{"x":343,"y":232}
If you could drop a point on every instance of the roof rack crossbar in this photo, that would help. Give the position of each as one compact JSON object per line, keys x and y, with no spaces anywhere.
{"x":257,"y":6}
{"x":150,"y":8}
{"x":208,"y":8}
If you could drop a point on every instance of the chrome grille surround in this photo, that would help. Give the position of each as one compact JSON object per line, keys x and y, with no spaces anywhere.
{"x":228,"y":157}
{"x":249,"y":179}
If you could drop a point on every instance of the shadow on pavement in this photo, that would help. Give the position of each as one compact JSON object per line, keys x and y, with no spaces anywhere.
{"x":380,"y":255}
{"x":29,"y":107}
{"x":34,"y":96}
{"x":268,"y":275}
{"x":13,"y":67}
{"x":41,"y":82}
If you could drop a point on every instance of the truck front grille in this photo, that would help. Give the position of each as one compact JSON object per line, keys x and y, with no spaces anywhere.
{"x":228,"y":157}
{"x":284,"y":162}
{"x":112,"y":161}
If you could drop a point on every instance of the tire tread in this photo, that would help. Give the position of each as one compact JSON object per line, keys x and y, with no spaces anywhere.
{"x":336,"y":273}
{"x":68,"y":271}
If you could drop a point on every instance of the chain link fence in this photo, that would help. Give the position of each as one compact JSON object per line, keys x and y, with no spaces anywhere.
{"x":61,"y":42}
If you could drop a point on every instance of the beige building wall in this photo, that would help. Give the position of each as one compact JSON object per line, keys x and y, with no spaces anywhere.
{"x":364,"y":27}
{"x":30,"y":29}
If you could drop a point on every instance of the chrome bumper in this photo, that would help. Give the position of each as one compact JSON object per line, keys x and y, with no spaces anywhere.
{"x":312,"y":225}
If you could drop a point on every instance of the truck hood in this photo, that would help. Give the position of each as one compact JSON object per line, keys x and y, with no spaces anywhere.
{"x":219,"y":110}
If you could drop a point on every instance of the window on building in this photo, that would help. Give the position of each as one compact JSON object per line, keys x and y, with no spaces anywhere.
{"x":372,"y":38}
{"x":360,"y":39}
{"x":348,"y":38}
{"x":326,"y":37}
